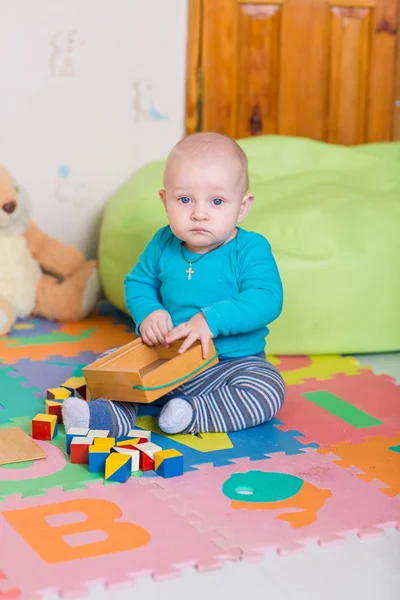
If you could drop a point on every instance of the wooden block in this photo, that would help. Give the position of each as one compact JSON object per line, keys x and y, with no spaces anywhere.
{"x":97,"y":458}
{"x":139,"y":373}
{"x":168,"y":463}
{"x":144,"y":436}
{"x":118,"y":467}
{"x":59,"y":393}
{"x":54,"y":408}
{"x":147,"y":453}
{"x":98,"y":433}
{"x":77,"y":386}
{"x":129,"y":443}
{"x":75,"y":432}
{"x":133,"y":453}
{"x":18,"y":446}
{"x":44,"y":427}
{"x":104,"y":443}
{"x":79,"y":450}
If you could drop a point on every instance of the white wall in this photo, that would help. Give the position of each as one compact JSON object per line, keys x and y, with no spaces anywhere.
{"x":72,"y":126}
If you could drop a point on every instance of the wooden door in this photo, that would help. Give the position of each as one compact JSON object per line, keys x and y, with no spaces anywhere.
{"x":323,"y":69}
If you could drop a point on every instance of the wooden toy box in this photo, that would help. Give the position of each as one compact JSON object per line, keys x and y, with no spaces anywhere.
{"x":139,"y":373}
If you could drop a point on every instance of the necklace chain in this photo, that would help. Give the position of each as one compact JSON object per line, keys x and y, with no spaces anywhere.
{"x":190,"y":271}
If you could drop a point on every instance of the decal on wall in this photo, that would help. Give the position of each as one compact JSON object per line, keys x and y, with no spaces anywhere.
{"x":66,"y":188}
{"x":144,"y":106}
{"x":65,"y":53}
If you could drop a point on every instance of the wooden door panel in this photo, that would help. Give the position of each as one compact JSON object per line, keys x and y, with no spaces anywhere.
{"x":323,"y":69}
{"x":349,"y":74}
{"x":304,"y":69}
{"x":258,"y":69}
{"x":385,"y":25}
{"x":220,"y":38}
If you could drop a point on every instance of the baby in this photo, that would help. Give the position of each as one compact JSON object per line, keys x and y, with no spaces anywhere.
{"x":201,"y":278}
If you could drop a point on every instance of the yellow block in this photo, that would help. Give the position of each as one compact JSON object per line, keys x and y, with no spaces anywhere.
{"x":104,"y":443}
{"x":100,"y":449}
{"x":59,"y":393}
{"x":75,"y":382}
{"x":114,"y":462}
{"x":131,"y":442}
{"x":162,"y":455}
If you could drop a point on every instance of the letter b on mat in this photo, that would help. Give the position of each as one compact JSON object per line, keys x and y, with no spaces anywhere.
{"x":98,"y":515}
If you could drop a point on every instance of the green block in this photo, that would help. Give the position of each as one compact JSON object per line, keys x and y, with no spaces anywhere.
{"x":395,"y":448}
{"x":342,"y":409}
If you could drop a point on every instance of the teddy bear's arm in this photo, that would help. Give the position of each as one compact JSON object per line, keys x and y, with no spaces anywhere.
{"x":53,"y":256}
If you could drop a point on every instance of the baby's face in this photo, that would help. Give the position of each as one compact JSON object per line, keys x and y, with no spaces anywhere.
{"x":205,"y":199}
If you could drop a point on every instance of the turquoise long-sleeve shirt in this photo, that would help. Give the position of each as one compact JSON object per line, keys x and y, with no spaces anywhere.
{"x":237,"y":287}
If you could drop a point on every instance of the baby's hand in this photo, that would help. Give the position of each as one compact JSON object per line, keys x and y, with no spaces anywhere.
{"x":155,"y":328}
{"x":195,"y":329}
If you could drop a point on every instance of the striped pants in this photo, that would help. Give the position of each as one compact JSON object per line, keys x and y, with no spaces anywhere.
{"x":233,"y":395}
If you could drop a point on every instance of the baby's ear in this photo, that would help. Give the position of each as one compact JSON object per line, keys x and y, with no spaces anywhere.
{"x":163,"y":197}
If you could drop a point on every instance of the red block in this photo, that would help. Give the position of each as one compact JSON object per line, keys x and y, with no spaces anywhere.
{"x":79,"y":452}
{"x":146,"y":462}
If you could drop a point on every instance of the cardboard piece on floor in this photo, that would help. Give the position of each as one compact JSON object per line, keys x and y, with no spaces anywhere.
{"x":18,"y":446}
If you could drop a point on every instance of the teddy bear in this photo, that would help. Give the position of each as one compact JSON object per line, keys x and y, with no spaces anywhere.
{"x":39,"y":275}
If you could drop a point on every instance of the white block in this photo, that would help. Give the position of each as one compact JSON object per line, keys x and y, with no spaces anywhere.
{"x":98,"y":433}
{"x":139,"y":433}
{"x":83,"y":431}
{"x":134,"y":454}
{"x":81,"y":440}
{"x":149,"y":448}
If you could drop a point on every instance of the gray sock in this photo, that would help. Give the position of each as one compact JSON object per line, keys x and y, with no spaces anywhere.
{"x":176,"y":416}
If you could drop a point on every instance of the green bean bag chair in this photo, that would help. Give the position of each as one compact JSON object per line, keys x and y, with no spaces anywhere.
{"x":332,"y":215}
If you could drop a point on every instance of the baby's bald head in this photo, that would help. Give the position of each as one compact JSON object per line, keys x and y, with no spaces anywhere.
{"x":212,"y":147}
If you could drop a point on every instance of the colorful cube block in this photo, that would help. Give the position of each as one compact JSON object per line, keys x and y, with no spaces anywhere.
{"x":79,"y":450}
{"x":77,"y":387}
{"x":44,"y":427}
{"x":97,"y":458}
{"x":59,"y":393}
{"x":144,"y":436}
{"x":75,"y":432}
{"x":54,"y":408}
{"x":130,"y":444}
{"x":147,"y":453}
{"x":104,"y":443}
{"x":118,"y":467}
{"x":168,"y":463}
{"x":133,"y":453}
{"x":98,"y":433}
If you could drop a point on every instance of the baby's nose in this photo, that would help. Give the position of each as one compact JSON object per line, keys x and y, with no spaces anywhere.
{"x":9,"y":207}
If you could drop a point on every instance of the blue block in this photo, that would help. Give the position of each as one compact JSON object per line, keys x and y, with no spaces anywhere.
{"x":97,"y":461}
{"x":122,"y":475}
{"x":171,"y":467}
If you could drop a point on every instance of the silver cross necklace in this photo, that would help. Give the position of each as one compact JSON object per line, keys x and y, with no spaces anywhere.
{"x":190,"y":271}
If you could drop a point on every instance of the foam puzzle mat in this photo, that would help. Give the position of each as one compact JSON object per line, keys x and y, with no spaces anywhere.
{"x":327,"y":468}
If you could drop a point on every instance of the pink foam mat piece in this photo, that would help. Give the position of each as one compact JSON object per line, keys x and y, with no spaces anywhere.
{"x":354,"y":507}
{"x":174,"y":542}
{"x":378,"y":396}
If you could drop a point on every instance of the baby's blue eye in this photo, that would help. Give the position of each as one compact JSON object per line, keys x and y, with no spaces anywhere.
{"x":217,"y":201}
{"x":184,"y":200}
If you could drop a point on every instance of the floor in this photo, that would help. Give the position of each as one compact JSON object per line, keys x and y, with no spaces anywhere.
{"x":367,"y":569}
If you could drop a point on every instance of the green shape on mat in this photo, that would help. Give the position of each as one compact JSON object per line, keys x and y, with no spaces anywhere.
{"x":395,"y":448}
{"x":19,"y":465}
{"x":342,"y":409}
{"x":17,"y":401}
{"x":259,"y":486}
{"x":77,"y":372}
{"x":57,"y":337}
{"x":69,"y":477}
